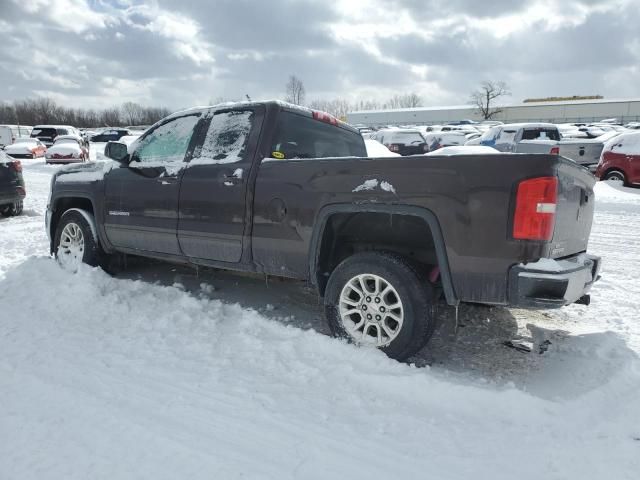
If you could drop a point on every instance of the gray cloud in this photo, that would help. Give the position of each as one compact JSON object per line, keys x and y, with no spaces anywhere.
{"x":184,"y":53}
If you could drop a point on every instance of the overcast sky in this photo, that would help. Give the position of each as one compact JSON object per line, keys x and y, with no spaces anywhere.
{"x":181,"y":53}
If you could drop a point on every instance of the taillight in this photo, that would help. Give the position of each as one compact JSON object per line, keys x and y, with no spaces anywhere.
{"x":535,"y":212}
{"x":325,"y":117}
{"x":16,"y":166}
{"x":554,"y":151}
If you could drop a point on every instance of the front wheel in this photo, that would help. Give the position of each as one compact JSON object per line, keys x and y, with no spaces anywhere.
{"x":12,"y":209}
{"x":74,"y":242}
{"x":381,"y":300}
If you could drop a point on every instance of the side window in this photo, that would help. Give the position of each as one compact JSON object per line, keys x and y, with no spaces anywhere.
{"x":506,"y":136}
{"x":166,"y":144}
{"x":300,"y":136}
{"x":227,"y":138}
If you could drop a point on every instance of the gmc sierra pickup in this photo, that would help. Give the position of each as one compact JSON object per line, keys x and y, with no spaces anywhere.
{"x":281,"y":190}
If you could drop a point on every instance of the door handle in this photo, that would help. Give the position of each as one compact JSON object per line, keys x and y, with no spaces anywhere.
{"x":167,"y":180}
{"x":231,"y":179}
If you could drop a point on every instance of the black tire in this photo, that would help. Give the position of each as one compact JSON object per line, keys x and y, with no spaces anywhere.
{"x":93,"y":254}
{"x":413,"y":289}
{"x":616,"y":175}
{"x":11,"y":210}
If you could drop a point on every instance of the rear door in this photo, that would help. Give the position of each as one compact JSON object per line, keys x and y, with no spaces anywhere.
{"x":141,"y":200}
{"x":213,"y":213}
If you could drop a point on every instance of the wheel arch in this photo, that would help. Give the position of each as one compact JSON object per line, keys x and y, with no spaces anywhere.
{"x":83,"y":205}
{"x":321,"y":234}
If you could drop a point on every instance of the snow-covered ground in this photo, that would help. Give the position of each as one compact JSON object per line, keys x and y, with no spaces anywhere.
{"x":165,"y":373}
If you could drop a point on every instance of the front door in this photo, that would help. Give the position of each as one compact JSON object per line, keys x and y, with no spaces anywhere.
{"x":213,"y":195}
{"x":141,"y":207}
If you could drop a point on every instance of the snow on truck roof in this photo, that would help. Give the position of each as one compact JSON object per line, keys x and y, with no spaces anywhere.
{"x":280,"y":103}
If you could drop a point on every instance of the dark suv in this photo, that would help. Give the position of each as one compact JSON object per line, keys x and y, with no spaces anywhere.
{"x":111,"y":135}
{"x":12,"y":190}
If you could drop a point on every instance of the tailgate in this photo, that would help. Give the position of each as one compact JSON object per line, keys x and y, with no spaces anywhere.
{"x":574,"y":210}
{"x":584,"y":153}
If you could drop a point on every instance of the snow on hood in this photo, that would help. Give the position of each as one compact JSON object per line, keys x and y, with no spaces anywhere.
{"x":85,"y":172}
{"x":64,"y":149}
{"x":20,"y":148}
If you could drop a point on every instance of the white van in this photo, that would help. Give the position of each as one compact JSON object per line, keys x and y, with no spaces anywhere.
{"x":9,"y":133}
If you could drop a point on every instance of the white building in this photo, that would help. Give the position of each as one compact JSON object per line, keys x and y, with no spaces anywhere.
{"x":625,"y":110}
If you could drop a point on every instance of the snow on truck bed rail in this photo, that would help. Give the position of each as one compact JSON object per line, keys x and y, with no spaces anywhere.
{"x":104,"y":377}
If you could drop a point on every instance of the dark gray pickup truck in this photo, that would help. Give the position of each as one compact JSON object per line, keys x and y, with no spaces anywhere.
{"x":280,"y":190}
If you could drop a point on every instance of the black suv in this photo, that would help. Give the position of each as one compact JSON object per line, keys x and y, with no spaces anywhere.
{"x":12,"y":190}
{"x":111,"y":135}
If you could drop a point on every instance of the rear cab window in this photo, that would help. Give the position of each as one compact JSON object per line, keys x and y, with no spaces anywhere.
{"x":541,"y":134}
{"x":300,"y":136}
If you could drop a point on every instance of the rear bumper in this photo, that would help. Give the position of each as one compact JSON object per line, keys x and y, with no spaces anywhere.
{"x":553,"y":283}
{"x":11,"y":197}
{"x":63,"y":160}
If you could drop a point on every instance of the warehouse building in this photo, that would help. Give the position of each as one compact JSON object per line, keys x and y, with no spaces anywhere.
{"x":625,"y":110}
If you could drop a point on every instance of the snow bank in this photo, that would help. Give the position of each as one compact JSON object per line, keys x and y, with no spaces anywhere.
{"x":174,"y":385}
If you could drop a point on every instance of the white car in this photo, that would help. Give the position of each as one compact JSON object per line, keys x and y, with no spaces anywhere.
{"x":67,"y":149}
{"x":11,"y":133}
{"x":26,"y":148}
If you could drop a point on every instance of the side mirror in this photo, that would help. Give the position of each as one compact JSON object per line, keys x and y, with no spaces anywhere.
{"x":117,"y":151}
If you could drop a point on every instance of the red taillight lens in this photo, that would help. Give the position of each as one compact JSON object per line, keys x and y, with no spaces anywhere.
{"x":535,"y":212}
{"x":554,"y":151}
{"x":16,"y":166}
{"x":325,"y":117}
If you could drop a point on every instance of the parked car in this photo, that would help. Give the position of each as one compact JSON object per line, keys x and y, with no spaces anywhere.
{"x":11,"y":133}
{"x":47,"y":134}
{"x":378,"y":238}
{"x":378,"y":150}
{"x":542,"y":138}
{"x":67,"y":149}
{"x":110,"y":135}
{"x":12,"y":189}
{"x":402,"y":141}
{"x":620,"y":160}
{"x":26,"y":148}
{"x":441,"y":139}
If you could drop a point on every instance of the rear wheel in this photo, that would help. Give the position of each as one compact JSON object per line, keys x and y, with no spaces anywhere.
{"x":12,"y":209}
{"x":616,"y":176}
{"x":383,"y":301}
{"x":74,"y":243}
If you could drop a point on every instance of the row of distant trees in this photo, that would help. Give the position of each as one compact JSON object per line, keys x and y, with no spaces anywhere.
{"x":295,"y":93}
{"x":484,"y":99}
{"x":44,"y":110}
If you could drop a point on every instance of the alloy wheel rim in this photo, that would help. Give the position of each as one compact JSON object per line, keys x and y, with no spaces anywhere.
{"x":71,"y":247}
{"x":371,"y":310}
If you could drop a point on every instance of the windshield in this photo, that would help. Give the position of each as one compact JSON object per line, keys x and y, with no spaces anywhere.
{"x":44,"y":132}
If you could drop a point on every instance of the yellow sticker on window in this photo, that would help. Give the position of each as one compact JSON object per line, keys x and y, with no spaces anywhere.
{"x":279,"y":155}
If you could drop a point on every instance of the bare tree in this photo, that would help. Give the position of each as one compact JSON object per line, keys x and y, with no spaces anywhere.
{"x":295,"y":92}
{"x":132,"y":113}
{"x":484,"y":98}
{"x":337,"y":107}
